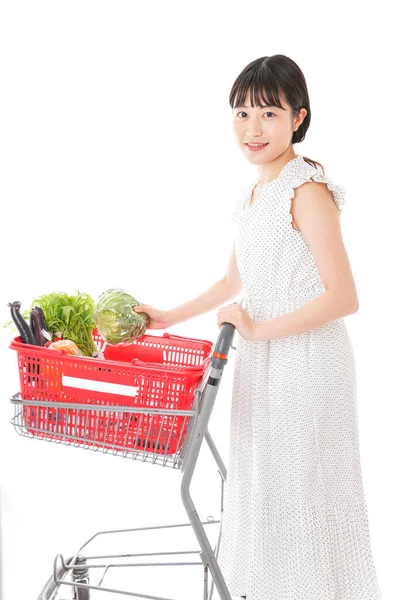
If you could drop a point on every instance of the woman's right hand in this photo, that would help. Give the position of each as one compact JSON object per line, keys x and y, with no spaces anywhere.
{"x":158,"y":318}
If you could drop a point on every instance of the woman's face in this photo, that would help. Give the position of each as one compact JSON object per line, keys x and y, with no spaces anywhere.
{"x":268,"y":125}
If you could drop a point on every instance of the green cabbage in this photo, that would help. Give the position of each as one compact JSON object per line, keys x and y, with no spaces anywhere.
{"x":116,"y":320}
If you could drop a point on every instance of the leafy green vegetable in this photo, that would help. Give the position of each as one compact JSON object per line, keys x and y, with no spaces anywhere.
{"x":70,"y":315}
{"x":116,"y":320}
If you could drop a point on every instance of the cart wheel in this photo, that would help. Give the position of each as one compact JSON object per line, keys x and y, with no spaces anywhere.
{"x":80,"y":574}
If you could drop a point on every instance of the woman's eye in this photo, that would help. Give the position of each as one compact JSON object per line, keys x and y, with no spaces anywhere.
{"x":243,"y":112}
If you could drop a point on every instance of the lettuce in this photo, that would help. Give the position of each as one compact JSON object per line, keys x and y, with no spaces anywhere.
{"x":116,"y":320}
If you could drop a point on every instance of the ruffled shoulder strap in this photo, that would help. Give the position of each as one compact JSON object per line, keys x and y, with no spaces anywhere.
{"x":306,"y":172}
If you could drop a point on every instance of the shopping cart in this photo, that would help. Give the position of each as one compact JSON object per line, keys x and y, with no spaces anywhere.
{"x":152,"y":401}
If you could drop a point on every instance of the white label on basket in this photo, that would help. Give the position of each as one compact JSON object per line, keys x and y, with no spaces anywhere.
{"x":99,"y":386}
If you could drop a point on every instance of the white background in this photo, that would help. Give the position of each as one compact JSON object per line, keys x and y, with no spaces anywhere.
{"x":119,"y":169}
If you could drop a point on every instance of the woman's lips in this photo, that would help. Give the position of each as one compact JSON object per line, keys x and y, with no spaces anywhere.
{"x":256,"y":148}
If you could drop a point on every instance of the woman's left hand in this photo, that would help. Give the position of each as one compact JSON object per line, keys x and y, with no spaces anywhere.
{"x":235,"y":314}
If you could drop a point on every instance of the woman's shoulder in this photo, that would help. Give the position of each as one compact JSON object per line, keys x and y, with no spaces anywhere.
{"x":308,"y":171}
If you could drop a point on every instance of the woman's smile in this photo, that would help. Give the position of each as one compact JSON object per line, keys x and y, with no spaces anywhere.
{"x":255,"y":148}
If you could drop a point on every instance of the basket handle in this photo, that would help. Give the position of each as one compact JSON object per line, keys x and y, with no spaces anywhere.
{"x":17,"y":344}
{"x":182,"y":337}
{"x":138,"y":362}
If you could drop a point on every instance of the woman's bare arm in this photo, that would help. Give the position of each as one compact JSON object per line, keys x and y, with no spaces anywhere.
{"x":218,"y":294}
{"x":318,"y":218}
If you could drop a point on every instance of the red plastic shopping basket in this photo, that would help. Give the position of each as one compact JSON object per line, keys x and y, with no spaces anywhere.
{"x":157,"y":372}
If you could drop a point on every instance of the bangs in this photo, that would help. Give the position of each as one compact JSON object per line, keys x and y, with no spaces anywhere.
{"x":263,"y":90}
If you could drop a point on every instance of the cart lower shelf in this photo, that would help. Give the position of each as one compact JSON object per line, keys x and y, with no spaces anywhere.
{"x":86,"y":573}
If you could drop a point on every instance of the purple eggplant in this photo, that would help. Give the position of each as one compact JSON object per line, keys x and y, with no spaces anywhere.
{"x":36,"y":326}
{"x":43,"y":324}
{"x":22,"y":326}
{"x":26,"y":335}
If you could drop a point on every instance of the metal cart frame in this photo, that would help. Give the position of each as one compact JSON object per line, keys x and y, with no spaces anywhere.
{"x":74,"y":572}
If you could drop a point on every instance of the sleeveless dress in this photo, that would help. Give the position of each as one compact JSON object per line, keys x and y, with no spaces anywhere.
{"x":295,"y":523}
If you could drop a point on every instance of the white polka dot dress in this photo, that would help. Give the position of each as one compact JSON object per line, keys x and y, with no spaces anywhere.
{"x":295,"y":524}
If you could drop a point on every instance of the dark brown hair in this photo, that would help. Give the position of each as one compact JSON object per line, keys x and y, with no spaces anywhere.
{"x":268,"y":77}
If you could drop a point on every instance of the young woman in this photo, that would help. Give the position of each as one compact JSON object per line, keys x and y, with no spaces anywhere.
{"x":295,"y":524}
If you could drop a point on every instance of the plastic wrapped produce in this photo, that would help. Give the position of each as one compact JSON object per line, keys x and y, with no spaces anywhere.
{"x":116,"y":320}
{"x":68,"y":345}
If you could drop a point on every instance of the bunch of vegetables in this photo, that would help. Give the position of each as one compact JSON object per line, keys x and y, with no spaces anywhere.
{"x":58,"y":316}
{"x":59,"y":320}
